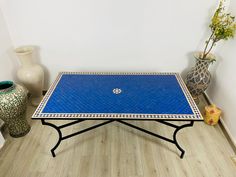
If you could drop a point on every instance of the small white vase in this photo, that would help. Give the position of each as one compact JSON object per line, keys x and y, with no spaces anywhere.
{"x":30,"y":74}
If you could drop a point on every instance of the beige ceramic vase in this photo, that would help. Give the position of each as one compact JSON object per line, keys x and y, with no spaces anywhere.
{"x":30,"y":74}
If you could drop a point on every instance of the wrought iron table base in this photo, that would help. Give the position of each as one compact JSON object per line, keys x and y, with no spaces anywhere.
{"x":174,"y":140}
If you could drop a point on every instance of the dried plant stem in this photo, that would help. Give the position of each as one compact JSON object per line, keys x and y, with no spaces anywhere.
{"x":207,"y":43}
{"x":213,"y":43}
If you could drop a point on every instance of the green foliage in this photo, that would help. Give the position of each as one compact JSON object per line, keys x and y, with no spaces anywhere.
{"x":223,"y":27}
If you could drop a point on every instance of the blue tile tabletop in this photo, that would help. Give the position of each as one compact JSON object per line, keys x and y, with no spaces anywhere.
{"x":76,"y":95}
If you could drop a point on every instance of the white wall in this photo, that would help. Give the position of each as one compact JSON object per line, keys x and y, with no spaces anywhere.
{"x":110,"y":35}
{"x":6,"y":62}
{"x":223,"y":87}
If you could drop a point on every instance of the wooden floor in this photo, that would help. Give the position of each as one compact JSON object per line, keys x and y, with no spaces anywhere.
{"x":115,"y":150}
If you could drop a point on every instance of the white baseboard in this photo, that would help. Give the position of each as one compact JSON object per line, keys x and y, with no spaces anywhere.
{"x":228,"y":132}
{"x":230,"y":136}
{"x":2,"y":140}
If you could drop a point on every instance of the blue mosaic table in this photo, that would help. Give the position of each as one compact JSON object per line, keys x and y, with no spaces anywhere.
{"x":121,"y":97}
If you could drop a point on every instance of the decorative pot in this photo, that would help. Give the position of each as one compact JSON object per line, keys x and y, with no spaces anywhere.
{"x":198,"y":78}
{"x":30,"y":74}
{"x":13,"y":104}
{"x":212,"y":114}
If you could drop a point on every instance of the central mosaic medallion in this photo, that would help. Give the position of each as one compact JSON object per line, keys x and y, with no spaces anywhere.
{"x":116,"y":91}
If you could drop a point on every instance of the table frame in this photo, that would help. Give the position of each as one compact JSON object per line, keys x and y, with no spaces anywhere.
{"x":173,"y":141}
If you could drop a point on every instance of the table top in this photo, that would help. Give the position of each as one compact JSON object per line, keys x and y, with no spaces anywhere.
{"x":133,"y":96}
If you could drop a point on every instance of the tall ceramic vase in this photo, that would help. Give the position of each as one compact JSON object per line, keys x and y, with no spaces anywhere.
{"x":13,"y":104}
{"x":30,"y":74}
{"x":198,"y":78}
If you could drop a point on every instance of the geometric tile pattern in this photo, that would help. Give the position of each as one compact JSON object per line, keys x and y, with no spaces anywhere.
{"x":162,"y":96}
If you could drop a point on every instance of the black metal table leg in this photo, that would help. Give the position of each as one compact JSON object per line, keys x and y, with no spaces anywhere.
{"x":175,"y":139}
{"x":73,"y":134}
{"x":59,"y":133}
